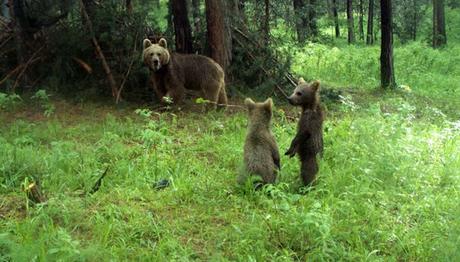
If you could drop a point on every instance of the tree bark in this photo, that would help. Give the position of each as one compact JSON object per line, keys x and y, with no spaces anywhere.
{"x":182,"y":29}
{"x":386,"y":54}
{"x":216,"y":35}
{"x":336,"y":18}
{"x":196,"y":16}
{"x":439,"y":24}
{"x":415,"y":20}
{"x":301,"y":20}
{"x":370,"y":24}
{"x":312,"y":26}
{"x":351,"y":34}
{"x":129,"y":7}
{"x":266,"y":23}
{"x":361,"y":20}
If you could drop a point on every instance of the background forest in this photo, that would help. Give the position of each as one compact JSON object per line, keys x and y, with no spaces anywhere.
{"x":90,"y":169}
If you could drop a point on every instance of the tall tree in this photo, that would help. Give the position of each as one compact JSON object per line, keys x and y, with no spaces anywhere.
{"x":336,"y":18}
{"x":370,"y":24}
{"x":266,"y":22}
{"x":387,"y":75}
{"x":196,"y":16}
{"x":361,"y":19}
{"x":312,"y":26}
{"x":216,"y":32}
{"x":439,"y":24}
{"x":301,"y":20}
{"x":351,"y":25}
{"x":182,"y":29}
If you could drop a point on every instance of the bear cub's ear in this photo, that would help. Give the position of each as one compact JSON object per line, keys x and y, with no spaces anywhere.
{"x":163,"y":43}
{"x":301,"y":81}
{"x":249,"y":103}
{"x":147,"y":43}
{"x":315,"y":85}
{"x":268,"y":104}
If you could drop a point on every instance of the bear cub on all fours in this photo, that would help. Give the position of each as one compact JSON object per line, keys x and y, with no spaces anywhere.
{"x":308,"y":141}
{"x":171,"y":74}
{"x":261,"y":155}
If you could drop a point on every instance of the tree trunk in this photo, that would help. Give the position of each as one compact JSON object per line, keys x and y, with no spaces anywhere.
{"x":386,"y":54}
{"x":129,"y":7}
{"x":439,"y":24}
{"x":415,"y":21}
{"x":361,"y":20}
{"x":216,"y":35}
{"x":301,"y":20}
{"x":266,"y":23}
{"x":182,"y":29}
{"x":370,"y":24}
{"x":351,"y":34}
{"x":196,"y":16}
{"x":336,"y":18}
{"x":312,"y":26}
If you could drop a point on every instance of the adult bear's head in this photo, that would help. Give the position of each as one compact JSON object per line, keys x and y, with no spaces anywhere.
{"x":155,"y":55}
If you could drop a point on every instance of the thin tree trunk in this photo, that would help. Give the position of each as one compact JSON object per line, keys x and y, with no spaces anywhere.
{"x":196,"y":16}
{"x":361,"y":20}
{"x":100,"y":54}
{"x":313,"y":27}
{"x":439,"y":24}
{"x":301,"y":20}
{"x":415,"y":21}
{"x":386,"y":54}
{"x":216,"y":35}
{"x":266,"y":23}
{"x":336,"y":18}
{"x":370,"y":24}
{"x":351,"y":34}
{"x":129,"y":7}
{"x":182,"y":27}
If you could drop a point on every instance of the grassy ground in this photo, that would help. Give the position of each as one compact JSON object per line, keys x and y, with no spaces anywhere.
{"x":389,"y":185}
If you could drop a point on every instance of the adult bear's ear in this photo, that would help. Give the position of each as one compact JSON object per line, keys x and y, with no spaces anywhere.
{"x":315,"y":85}
{"x":249,"y":103}
{"x":163,"y":43}
{"x":301,"y":81}
{"x":268,"y":104}
{"x":147,"y":43}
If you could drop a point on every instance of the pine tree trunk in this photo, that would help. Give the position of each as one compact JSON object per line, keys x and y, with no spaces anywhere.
{"x":386,"y":54}
{"x":336,"y":18}
{"x":439,"y":24}
{"x":313,"y":27}
{"x":361,"y":20}
{"x":182,"y":29}
{"x":216,"y":35}
{"x":370,"y":24}
{"x":351,"y":34}
{"x":196,"y":16}
{"x":266,"y":23}
{"x":301,"y":20}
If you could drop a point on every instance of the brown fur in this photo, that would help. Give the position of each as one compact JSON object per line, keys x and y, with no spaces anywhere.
{"x":172,"y":74}
{"x":308,"y":141}
{"x":261,"y":155}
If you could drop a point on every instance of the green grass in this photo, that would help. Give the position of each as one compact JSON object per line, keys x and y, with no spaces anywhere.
{"x":388,"y":186}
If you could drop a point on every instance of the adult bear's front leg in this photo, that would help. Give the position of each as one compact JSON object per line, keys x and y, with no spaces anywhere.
{"x":175,"y":92}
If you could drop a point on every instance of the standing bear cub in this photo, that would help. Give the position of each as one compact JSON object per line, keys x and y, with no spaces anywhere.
{"x":261,"y":155}
{"x":171,"y":74}
{"x":308,"y":141}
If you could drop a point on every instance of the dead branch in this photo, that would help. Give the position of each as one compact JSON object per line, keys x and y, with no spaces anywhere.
{"x":261,"y":67}
{"x":127,"y":72}
{"x":98,"y":183}
{"x":100,"y":54}
{"x":83,"y":65}
{"x":287,"y":75}
{"x":26,"y":65}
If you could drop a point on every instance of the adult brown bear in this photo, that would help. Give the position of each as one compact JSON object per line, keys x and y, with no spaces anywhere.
{"x":171,"y":74}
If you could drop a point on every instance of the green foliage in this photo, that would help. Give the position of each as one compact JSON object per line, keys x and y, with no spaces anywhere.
{"x":43,"y":100}
{"x":9,"y":101}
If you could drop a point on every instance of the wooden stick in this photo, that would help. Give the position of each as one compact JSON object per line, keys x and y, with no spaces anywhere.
{"x":26,"y":65}
{"x":127,"y":73}
{"x":98,"y":183}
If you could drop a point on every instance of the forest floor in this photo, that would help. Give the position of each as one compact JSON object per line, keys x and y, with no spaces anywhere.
{"x":389,"y":184}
